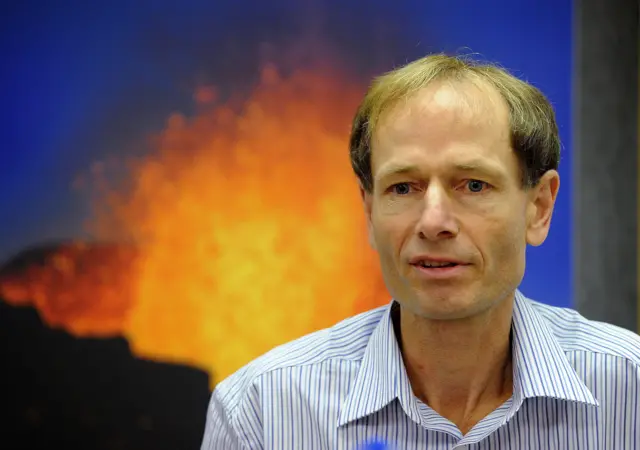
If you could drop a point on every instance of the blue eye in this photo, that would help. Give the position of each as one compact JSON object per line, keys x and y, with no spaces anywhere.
{"x":476,"y":185}
{"x":401,"y":188}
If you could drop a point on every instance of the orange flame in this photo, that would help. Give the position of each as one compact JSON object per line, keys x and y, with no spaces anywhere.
{"x":81,"y":288}
{"x":249,"y":224}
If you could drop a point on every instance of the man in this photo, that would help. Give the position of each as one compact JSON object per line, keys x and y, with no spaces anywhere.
{"x":457,"y":167}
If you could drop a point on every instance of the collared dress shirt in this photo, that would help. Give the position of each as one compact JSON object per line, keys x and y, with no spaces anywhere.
{"x":576,"y":386}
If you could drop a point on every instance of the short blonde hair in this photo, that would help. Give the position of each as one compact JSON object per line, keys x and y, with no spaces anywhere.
{"x":533,"y":127}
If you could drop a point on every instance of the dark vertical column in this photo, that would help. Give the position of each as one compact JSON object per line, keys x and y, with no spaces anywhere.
{"x":605,"y":157}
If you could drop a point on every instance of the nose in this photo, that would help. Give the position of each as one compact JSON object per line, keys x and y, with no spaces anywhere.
{"x":437,"y":220}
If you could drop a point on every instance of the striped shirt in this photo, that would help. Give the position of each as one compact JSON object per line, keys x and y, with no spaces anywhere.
{"x":576,"y":385}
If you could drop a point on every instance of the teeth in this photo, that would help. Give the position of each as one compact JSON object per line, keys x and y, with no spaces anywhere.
{"x":435,"y":264}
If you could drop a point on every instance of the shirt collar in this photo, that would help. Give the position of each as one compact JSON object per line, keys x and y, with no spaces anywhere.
{"x":541,"y":368}
{"x":382,"y":377}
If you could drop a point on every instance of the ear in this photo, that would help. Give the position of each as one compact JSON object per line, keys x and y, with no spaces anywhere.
{"x":367,"y":202}
{"x":542,"y":199}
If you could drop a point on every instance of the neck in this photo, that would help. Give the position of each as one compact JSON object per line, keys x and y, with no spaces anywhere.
{"x":460,"y":368}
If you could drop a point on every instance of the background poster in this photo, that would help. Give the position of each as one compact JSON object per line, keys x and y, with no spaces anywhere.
{"x":177,"y":197}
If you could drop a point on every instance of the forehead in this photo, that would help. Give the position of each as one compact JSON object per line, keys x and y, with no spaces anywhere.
{"x":445,"y":123}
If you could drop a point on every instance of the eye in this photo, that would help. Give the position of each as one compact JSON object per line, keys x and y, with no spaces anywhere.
{"x":476,"y":185}
{"x":401,"y":188}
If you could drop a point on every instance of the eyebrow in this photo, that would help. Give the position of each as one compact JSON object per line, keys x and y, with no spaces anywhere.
{"x":480,"y":167}
{"x":396,"y":169}
{"x":470,"y":166}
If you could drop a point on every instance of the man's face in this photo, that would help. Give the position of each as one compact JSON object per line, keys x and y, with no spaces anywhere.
{"x":448,"y":215}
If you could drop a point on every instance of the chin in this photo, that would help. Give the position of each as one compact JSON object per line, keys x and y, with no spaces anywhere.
{"x":445,"y":306}
{"x":447,"y":315}
{"x":432,"y":313}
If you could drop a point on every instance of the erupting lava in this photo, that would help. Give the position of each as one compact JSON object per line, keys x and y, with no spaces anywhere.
{"x":248,"y":223}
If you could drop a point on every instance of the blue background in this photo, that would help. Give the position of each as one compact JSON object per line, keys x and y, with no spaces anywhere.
{"x":82,"y":80}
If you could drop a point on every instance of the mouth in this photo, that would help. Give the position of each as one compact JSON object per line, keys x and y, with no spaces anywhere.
{"x":435,"y":264}
{"x":438,"y":269}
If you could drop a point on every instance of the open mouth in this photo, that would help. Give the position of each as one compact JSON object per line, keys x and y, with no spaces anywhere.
{"x":436,"y":265}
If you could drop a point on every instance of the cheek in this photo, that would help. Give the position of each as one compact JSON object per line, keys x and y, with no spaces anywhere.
{"x":390,"y":232}
{"x":493,"y":226}
{"x":506,"y":241}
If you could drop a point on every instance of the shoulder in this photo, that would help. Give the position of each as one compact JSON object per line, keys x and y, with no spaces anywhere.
{"x":575,"y":333}
{"x":345,"y":341}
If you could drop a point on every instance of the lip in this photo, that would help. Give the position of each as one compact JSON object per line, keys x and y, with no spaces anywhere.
{"x":438,"y":273}
{"x":438,"y":259}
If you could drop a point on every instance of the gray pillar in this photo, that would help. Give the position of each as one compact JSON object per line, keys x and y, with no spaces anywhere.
{"x":605,"y":161}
